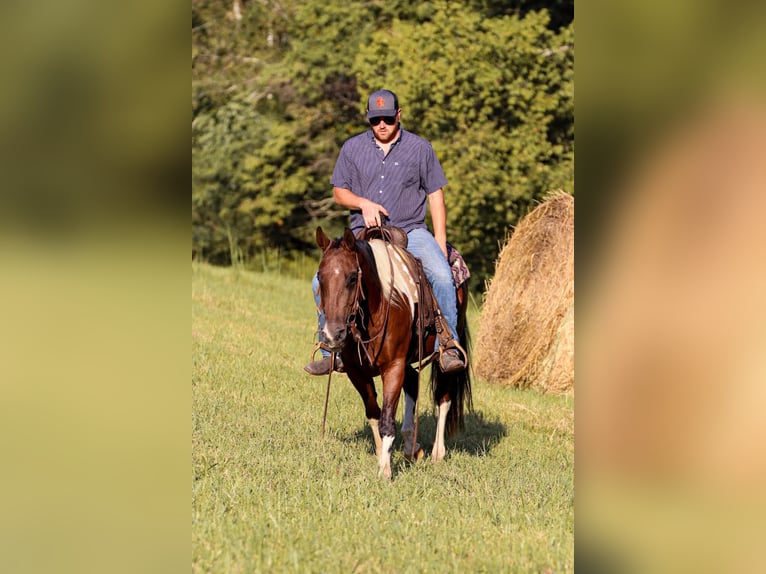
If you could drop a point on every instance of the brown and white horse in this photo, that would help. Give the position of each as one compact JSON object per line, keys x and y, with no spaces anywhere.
{"x":370,"y":306}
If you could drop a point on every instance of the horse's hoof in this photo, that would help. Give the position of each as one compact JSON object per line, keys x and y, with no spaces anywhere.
{"x":437,"y":456}
{"x":419,"y":454}
{"x":384,"y":472}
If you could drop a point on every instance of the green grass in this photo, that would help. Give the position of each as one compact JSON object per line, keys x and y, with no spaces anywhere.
{"x":270,"y":495}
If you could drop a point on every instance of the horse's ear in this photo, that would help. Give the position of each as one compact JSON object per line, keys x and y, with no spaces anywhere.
{"x":348,"y":239}
{"x":322,"y":240}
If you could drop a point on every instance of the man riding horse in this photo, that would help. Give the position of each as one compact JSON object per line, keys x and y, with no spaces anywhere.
{"x":388,"y":171}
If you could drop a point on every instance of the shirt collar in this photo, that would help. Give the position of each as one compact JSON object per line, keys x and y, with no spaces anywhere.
{"x":393,"y":143}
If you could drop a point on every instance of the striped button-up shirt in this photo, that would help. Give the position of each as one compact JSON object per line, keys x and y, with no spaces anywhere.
{"x":400,"y":181}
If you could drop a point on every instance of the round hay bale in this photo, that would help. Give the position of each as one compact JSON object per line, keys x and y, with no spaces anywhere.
{"x":526,"y":330}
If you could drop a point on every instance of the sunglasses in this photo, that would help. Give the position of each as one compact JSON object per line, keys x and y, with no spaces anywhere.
{"x":390,"y":120}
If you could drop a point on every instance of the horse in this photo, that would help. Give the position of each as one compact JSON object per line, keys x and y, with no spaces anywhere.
{"x":371,"y":310}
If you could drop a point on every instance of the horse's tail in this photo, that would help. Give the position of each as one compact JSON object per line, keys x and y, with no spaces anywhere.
{"x":458,"y":385}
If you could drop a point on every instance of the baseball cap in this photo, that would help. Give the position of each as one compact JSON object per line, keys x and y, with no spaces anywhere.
{"x":382,"y":103}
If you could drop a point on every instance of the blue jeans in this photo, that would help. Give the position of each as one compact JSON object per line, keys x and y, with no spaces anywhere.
{"x":422,"y":245}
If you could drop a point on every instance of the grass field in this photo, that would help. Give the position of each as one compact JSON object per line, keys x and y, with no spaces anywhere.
{"x":270,"y":495}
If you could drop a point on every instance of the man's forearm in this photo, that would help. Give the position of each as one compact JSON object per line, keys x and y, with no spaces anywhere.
{"x":370,"y":210}
{"x":347,"y":198}
{"x":439,"y":219}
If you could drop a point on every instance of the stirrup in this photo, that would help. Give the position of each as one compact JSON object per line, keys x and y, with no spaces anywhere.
{"x":318,"y":346}
{"x":452,"y":344}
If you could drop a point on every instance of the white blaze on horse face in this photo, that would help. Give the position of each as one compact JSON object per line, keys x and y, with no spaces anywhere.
{"x":385,"y":254}
{"x":332,"y":324}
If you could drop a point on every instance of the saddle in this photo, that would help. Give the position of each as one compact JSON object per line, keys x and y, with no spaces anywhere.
{"x":388,"y":233}
{"x":398,"y":237}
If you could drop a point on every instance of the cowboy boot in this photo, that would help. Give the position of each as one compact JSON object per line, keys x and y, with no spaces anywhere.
{"x":322,"y":367}
{"x":451,"y":359}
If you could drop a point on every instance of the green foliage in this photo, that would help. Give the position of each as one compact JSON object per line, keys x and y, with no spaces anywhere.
{"x":277,"y":92}
{"x":269,"y":494}
{"x":229,"y":54}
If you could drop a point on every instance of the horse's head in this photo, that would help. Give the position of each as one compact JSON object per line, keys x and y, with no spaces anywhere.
{"x":339,"y":285}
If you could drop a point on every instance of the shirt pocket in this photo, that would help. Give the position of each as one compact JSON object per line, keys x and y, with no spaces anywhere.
{"x":411,"y":173}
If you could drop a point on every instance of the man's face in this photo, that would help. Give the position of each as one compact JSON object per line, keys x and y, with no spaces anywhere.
{"x":385,"y":128}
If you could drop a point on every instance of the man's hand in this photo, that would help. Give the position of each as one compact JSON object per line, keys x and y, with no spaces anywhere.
{"x":370,"y":210}
{"x":443,"y":246}
{"x":371,"y":213}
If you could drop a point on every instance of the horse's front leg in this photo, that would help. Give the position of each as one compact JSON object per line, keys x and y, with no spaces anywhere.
{"x":393,"y":379}
{"x":365,"y":386}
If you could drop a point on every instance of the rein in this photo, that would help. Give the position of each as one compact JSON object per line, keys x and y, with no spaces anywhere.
{"x":327,"y":395}
{"x":352,"y":324}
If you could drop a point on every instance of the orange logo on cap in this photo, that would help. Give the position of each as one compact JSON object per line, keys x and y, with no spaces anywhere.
{"x":380,"y":102}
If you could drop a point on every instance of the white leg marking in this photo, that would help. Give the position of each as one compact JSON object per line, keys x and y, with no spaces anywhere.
{"x":384,"y":461}
{"x":376,"y":435}
{"x":439,"y":449}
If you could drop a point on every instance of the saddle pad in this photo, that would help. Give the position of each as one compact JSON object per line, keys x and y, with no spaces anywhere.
{"x":460,"y":271}
{"x":392,"y":264}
